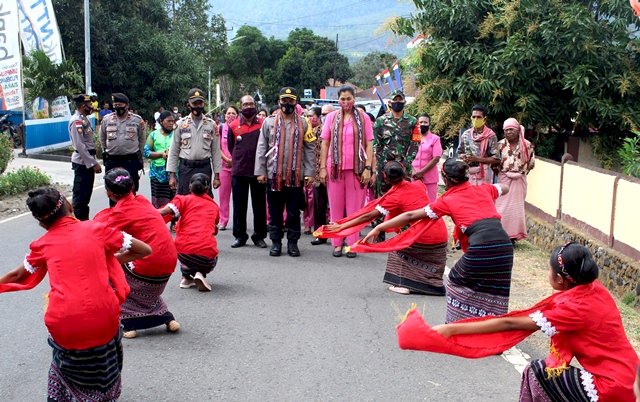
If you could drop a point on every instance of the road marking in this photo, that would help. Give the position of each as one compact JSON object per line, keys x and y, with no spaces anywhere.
{"x":29,"y":213}
{"x":517,"y":358}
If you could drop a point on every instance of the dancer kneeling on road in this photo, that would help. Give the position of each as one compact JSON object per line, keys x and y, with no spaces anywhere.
{"x":480,"y":281}
{"x":134,"y":214}
{"x":87,"y":287}
{"x":416,"y":262}
{"x":581,"y":319}
{"x":196,"y":232}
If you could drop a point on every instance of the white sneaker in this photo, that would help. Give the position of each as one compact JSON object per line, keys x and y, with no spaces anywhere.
{"x":186,"y":283}
{"x":400,"y":290}
{"x":201,"y":282}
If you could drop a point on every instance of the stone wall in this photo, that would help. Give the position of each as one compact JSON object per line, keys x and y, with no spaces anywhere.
{"x":617,"y":272}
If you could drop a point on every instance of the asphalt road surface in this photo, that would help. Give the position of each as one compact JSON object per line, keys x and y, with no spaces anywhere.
{"x":314,"y":328}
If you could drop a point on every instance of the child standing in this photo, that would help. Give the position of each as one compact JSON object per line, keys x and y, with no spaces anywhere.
{"x":87,"y":288}
{"x":196,"y":232}
{"x":144,"y":308}
{"x":582,"y":321}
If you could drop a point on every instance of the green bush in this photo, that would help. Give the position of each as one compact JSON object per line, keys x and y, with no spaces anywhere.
{"x":23,"y":179}
{"x":629,"y":154}
{"x":6,"y":152}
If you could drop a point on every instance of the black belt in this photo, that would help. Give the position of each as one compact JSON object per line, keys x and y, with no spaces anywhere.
{"x":91,"y":151}
{"x":195,"y":163}
{"x":123,"y":157}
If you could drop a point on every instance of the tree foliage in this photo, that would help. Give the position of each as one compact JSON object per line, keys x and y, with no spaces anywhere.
{"x":564,"y":66}
{"x":43,"y":78}
{"x":366,"y":69}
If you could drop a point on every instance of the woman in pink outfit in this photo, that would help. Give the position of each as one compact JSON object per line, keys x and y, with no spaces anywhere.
{"x":425,"y":165}
{"x":224,"y":192}
{"x":345,"y":161}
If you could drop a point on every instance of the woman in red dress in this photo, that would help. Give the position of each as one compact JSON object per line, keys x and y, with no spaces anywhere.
{"x":87,"y":287}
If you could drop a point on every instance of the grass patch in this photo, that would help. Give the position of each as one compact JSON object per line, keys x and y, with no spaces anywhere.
{"x":21,"y":180}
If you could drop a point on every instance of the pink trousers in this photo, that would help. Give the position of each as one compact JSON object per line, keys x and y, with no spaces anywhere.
{"x":224,"y":193}
{"x":346,"y":196}
{"x":432,"y":191}
{"x":308,"y":211}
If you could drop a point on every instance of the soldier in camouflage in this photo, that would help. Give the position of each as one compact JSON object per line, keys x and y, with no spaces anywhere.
{"x":393,"y":139}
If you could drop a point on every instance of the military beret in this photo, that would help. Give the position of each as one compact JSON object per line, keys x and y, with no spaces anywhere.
{"x":81,"y":98}
{"x":288,"y":92}
{"x":119,"y":97}
{"x":195,"y":94}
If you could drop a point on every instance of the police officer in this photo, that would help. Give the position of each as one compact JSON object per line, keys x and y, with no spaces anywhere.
{"x":83,"y":161}
{"x":195,"y":147}
{"x":122,"y":137}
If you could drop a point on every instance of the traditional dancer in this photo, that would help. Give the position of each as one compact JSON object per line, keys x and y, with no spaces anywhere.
{"x":480,"y":281}
{"x":418,"y":267}
{"x":196,"y":232}
{"x":87,"y":288}
{"x":581,"y":319}
{"x":147,"y":278}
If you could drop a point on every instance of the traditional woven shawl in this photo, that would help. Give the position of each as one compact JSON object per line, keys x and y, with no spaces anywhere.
{"x":293,"y":162}
{"x":359,"y":143}
{"x":484,"y":141}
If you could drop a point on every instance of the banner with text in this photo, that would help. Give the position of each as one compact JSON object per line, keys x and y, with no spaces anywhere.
{"x":39,"y":28}
{"x":10,"y":89}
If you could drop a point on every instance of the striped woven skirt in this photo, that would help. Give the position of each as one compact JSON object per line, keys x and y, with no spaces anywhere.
{"x":144,"y":307}
{"x":480,"y":282}
{"x":161,"y":193}
{"x":86,"y":375}
{"x":573,"y":384}
{"x":418,"y":268}
{"x":191,"y":263}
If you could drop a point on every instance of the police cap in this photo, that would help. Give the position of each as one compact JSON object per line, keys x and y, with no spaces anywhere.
{"x":81,"y":98}
{"x":288,"y":92}
{"x":195,"y":94}
{"x":119,"y":97}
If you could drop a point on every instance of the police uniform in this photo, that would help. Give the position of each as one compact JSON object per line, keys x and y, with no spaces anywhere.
{"x":123,"y":140}
{"x":195,"y":148}
{"x":83,"y":160}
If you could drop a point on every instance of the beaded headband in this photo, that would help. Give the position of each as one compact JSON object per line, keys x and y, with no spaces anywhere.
{"x":54,"y":211}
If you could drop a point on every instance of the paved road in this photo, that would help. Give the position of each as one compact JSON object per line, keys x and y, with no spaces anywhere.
{"x":273,"y":329}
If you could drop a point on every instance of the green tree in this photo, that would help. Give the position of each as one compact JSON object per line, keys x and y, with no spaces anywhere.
{"x":366,"y":69}
{"x":559,"y":66}
{"x":45,"y":79}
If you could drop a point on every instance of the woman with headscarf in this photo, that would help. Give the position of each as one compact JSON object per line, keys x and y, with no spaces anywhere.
{"x":156,"y":150}
{"x":224,"y":191}
{"x":480,"y":281}
{"x":413,"y":267}
{"x":516,"y":160}
{"x":345,"y":161}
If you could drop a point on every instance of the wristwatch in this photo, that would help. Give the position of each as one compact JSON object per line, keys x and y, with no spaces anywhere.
{"x":367,"y":168}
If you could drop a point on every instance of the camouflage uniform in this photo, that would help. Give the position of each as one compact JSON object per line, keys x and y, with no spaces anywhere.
{"x":392,"y":140}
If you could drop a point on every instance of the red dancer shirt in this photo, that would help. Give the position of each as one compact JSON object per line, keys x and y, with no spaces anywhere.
{"x":83,"y":310}
{"x":196,"y":228}
{"x":466,"y":204}
{"x":411,"y":196}
{"x":135,"y":215}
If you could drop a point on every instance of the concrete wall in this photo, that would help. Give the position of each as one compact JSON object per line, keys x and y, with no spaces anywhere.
{"x":543,"y":186}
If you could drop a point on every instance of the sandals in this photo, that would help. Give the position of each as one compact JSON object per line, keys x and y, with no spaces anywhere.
{"x":337,"y":252}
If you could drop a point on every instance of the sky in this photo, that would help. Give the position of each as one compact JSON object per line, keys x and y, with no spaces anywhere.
{"x":356,"y":22}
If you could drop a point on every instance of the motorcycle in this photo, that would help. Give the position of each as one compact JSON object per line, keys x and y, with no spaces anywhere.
{"x":10,"y":130}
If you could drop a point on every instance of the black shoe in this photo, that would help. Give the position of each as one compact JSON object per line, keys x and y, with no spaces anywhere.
{"x":381,"y":237}
{"x":259,"y":242}
{"x":238,"y":243}
{"x":292,"y":249}
{"x":351,"y":254}
{"x":317,"y":241}
{"x":276,"y":249}
{"x":337,"y":252}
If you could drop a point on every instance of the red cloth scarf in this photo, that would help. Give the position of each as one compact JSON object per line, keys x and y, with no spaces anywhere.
{"x":294,"y":152}
{"x":359,"y":143}
{"x":484,"y":141}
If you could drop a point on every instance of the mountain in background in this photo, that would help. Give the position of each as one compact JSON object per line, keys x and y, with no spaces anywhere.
{"x":357,"y":23}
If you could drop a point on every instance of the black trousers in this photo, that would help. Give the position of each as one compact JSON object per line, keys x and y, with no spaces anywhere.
{"x":240,"y":187}
{"x":291,"y":198}
{"x":320,"y":204}
{"x":130,"y":164}
{"x":186,"y":169}
{"x":83,"y":179}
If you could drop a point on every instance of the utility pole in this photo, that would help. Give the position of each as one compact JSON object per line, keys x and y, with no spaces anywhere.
{"x":334,"y":63}
{"x":87,"y":48}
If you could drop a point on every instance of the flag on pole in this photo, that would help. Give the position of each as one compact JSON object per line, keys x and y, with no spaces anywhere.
{"x":10,"y":56}
{"x":384,"y":106}
{"x":387,"y":75}
{"x":396,"y":73}
{"x":379,"y":81}
{"x":39,"y":28}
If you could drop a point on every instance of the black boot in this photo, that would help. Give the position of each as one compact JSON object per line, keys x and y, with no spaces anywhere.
{"x":292,"y":249}
{"x":317,"y":241}
{"x":276,"y":249}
